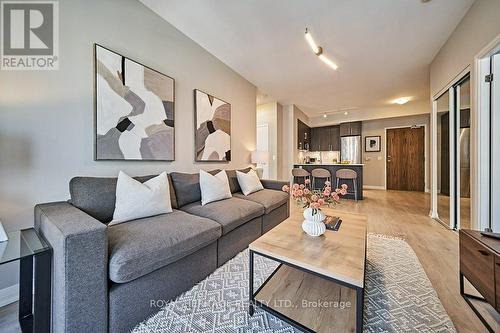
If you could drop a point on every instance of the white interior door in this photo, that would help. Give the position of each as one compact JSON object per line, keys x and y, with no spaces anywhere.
{"x":263,"y":145}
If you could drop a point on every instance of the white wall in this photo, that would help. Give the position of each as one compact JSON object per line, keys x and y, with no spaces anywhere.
{"x":374,"y":168}
{"x":478,"y":28}
{"x":46,"y":127}
{"x":280,"y":139}
{"x":288,"y":142}
{"x":267,"y":114}
{"x":290,"y":116}
{"x":298,"y":114}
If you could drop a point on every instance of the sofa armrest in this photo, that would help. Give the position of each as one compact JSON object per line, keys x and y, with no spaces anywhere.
{"x":79,"y":267}
{"x":274,"y":184}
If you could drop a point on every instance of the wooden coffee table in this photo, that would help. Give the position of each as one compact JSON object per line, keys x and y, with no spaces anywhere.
{"x":319,"y":284}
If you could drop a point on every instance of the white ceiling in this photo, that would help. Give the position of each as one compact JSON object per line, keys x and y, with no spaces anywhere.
{"x":383,"y":47}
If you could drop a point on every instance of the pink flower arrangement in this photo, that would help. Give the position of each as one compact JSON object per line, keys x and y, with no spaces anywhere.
{"x":315,"y":199}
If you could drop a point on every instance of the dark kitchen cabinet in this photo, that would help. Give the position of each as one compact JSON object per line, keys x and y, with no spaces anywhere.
{"x":350,"y":129}
{"x":303,"y":136}
{"x":323,"y":134}
{"x":356,"y":128}
{"x":325,"y":138}
{"x":315,"y":139}
{"x":335,"y":137}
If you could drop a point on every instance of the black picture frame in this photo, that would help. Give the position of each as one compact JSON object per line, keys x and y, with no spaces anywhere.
{"x":377,"y":139}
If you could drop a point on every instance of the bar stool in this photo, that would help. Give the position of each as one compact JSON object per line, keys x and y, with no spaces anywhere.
{"x":321,"y":174}
{"x":300,"y":173}
{"x":348,"y":174}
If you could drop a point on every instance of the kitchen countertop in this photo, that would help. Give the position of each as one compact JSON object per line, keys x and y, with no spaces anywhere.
{"x":353,"y":164}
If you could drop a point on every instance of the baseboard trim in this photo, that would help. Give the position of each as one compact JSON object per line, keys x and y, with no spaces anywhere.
{"x":9,"y":295}
{"x":374,"y":187}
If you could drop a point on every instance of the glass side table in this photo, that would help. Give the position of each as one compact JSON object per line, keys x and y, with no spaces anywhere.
{"x":35,"y":255}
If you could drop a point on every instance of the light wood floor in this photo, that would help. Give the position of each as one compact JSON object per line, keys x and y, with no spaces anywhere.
{"x":444,"y":211}
{"x":403,"y":214}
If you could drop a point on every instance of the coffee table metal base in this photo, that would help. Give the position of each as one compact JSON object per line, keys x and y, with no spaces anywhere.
{"x":253,"y":302}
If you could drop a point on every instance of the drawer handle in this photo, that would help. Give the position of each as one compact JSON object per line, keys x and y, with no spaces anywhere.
{"x":483,"y":252}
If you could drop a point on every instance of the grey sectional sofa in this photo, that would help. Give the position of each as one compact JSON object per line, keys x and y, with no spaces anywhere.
{"x":106,"y":278}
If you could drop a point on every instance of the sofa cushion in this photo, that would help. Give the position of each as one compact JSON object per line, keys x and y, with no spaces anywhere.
{"x":270,"y":199}
{"x":187,"y":187}
{"x":229,"y":213}
{"x":141,"y":246}
{"x":234,"y":185}
{"x":96,"y":196}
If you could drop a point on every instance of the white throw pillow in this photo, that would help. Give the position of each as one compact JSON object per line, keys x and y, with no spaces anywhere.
{"x":135,"y":199}
{"x":249,"y":182}
{"x":214,"y":188}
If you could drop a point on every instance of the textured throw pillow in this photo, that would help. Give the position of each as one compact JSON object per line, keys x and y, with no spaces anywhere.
{"x":214,"y":188}
{"x":249,"y":182}
{"x":135,"y":199}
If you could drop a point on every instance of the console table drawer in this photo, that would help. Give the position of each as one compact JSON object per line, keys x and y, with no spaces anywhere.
{"x":477,"y":264}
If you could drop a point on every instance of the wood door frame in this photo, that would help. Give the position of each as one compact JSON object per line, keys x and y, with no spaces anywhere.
{"x":426,"y":189}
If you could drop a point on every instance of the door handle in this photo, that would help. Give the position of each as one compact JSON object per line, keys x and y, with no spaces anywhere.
{"x":483,"y":252}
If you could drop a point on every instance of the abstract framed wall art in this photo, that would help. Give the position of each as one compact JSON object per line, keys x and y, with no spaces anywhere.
{"x":372,"y":143}
{"x":213,"y":128}
{"x":134,"y":110}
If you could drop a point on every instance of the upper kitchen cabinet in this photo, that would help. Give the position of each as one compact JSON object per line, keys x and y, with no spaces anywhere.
{"x":325,"y":138}
{"x":350,"y":129}
{"x":335,"y":137}
{"x":303,"y":136}
{"x":315,"y":139}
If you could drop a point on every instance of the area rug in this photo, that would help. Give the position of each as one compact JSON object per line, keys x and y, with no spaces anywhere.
{"x":398,"y":297}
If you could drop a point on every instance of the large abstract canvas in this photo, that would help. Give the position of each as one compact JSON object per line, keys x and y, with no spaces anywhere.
{"x":134,"y":110}
{"x":213,"y":128}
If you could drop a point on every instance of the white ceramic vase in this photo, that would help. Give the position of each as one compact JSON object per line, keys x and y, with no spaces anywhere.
{"x":313,"y":223}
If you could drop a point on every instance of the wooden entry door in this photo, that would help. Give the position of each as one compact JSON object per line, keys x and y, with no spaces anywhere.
{"x":405,"y":159}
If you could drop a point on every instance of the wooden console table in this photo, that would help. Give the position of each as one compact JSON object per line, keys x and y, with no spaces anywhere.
{"x":480,"y":264}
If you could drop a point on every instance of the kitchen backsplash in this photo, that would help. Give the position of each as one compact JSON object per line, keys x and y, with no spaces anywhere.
{"x":319,"y":156}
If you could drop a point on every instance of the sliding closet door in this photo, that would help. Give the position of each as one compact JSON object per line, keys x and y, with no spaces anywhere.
{"x":462,"y":155}
{"x":495,"y":144}
{"x":443,"y":158}
{"x":453,"y":156}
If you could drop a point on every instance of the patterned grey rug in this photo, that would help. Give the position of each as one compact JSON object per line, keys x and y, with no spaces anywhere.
{"x":398,"y":297}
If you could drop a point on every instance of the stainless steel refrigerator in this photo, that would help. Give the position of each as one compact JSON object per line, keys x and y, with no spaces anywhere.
{"x":350,"y":149}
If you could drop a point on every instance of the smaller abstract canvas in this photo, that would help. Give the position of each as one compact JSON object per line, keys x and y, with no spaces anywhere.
{"x":134,"y":110}
{"x":213,"y":128}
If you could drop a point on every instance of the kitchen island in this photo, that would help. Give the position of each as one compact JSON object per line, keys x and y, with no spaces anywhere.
{"x":333,"y":168}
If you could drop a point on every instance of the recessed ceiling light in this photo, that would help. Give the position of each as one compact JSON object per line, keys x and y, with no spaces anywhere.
{"x":401,"y":100}
{"x":318,"y":50}
{"x":324,"y":116}
{"x":346,"y":113}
